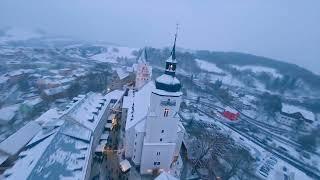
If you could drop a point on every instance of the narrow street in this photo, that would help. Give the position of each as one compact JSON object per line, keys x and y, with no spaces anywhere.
{"x":114,"y":152}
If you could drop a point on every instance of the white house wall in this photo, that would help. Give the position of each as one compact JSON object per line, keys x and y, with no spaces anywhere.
{"x":137,"y":147}
{"x":149,"y":156}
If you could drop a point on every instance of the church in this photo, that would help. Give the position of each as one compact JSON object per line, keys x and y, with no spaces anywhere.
{"x":153,"y":131}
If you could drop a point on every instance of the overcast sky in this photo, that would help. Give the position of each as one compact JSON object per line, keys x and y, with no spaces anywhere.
{"x":287,"y":30}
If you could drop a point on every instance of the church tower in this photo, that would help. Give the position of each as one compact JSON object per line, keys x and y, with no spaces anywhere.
{"x":161,"y":126}
{"x":143,"y":73}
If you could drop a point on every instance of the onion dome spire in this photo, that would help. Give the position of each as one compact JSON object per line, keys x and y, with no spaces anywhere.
{"x":173,"y":53}
{"x":171,"y":62}
{"x":167,"y":81}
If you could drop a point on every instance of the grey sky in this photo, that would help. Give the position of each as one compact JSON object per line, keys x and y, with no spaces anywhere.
{"x":287,"y":30}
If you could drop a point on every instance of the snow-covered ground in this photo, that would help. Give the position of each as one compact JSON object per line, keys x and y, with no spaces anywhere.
{"x":258,"y":69}
{"x":207,"y":66}
{"x":113,"y":53}
{"x":256,"y":150}
{"x":226,"y":79}
{"x":293,"y":109}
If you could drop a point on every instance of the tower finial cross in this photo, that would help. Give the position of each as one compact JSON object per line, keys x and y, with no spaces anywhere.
{"x":177,"y":28}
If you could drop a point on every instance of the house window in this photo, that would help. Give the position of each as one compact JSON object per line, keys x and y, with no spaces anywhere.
{"x":158,"y":153}
{"x":135,"y":143}
{"x":162,"y":131}
{"x":156,"y":163}
{"x":166,"y":112}
{"x":134,"y":157}
{"x":160,"y":139}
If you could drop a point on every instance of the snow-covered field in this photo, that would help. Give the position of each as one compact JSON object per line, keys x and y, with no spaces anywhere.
{"x":113,"y":53}
{"x":257,"y":150}
{"x":259,"y":69}
{"x":207,"y":66}
{"x":227,"y":79}
{"x":293,"y":109}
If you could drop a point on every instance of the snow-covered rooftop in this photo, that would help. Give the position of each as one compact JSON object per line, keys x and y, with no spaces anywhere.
{"x":20,"y":72}
{"x":293,"y":109}
{"x":165,"y":176}
{"x":166,"y":93}
{"x":122,"y":73}
{"x":33,"y":102}
{"x":137,"y":104}
{"x":51,"y":114}
{"x":62,"y":153}
{"x":229,"y":109}
{"x":14,"y":143}
{"x":90,"y":109}
{"x":140,"y":127}
{"x":56,"y":90}
{"x":125,"y":165}
{"x":3,"y":157}
{"x":167,"y":79}
{"x":3,"y":79}
{"x":8,"y":113}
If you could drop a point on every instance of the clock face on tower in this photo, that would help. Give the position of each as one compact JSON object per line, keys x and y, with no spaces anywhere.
{"x":168,"y":102}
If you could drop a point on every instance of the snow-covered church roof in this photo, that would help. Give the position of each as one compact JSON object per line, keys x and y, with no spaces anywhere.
{"x":143,"y":57}
{"x":137,"y":104}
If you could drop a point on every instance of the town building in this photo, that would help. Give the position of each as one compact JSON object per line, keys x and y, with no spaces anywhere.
{"x":63,"y":143}
{"x":293,"y":116}
{"x":153,"y":132}
{"x":143,"y":70}
{"x":121,"y":76}
{"x":12,"y":145}
{"x":8,"y":113}
{"x":57,"y":151}
{"x":231,"y":113}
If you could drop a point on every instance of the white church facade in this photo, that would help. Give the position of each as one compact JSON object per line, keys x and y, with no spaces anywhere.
{"x":153,"y":132}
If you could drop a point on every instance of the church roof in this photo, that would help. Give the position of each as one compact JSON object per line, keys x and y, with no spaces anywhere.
{"x":143,"y":56}
{"x":137,"y":104}
{"x":168,"y":82}
{"x":172,"y":57}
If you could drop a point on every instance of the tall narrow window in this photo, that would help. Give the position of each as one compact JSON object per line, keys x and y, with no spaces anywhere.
{"x":166,"y":112}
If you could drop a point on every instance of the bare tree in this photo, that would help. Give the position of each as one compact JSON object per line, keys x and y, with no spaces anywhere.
{"x":206,"y":149}
{"x":239,"y":163}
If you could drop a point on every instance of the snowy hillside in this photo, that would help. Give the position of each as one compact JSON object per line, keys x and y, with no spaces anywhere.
{"x":113,"y":53}
{"x":259,"y":69}
{"x":293,"y":109}
{"x":207,"y":66}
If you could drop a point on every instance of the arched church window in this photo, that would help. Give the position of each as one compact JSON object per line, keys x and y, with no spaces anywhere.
{"x":166,"y":112}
